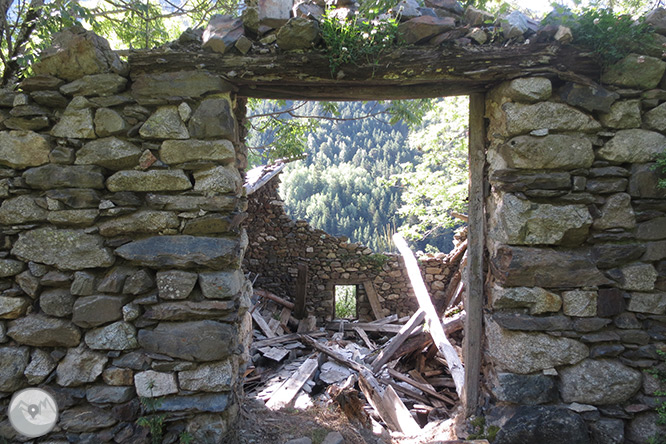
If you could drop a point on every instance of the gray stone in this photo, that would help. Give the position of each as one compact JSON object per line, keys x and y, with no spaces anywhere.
{"x":139,"y":282}
{"x":152,"y":384}
{"x":655,"y":119}
{"x":206,"y":402}
{"x":657,"y":18}
{"x":606,"y":185}
{"x":40,"y":367}
{"x":41,"y":331}
{"x":197,"y":340}
{"x":304,"y":440}
{"x":147,"y":221}
{"x":38,"y":83}
{"x":617,"y":212}
{"x":21,"y":210}
{"x":116,"y":395}
{"x":614,"y":255}
{"x":175,"y":284}
{"x":85,"y":419}
{"x":76,"y":121}
{"x":633,"y":146}
{"x":114,"y":280}
{"x":520,"y":118}
{"x":191,"y":310}
{"x":525,"y":389}
{"x":517,"y":321}
{"x":591,"y":98}
{"x":514,"y":25}
{"x":407,"y":9}
{"x":213,"y":377}
{"x":213,"y":119}
{"x":111,"y":153}
{"x":118,"y":376}
{"x":623,"y":114}
{"x":606,"y":351}
{"x":152,"y":180}
{"x":543,"y":425}
{"x":62,"y":248}
{"x":176,"y":86}
{"x":83,"y":284}
{"x":28,"y":283}
{"x":643,"y":427}
{"x":654,"y":229}
{"x":176,"y":152}
{"x":644,"y":182}
{"x":222,"y":32}
{"x":654,"y":303}
{"x":165,"y":123}
{"x":109,"y":123}
{"x":523,"y":180}
{"x":22,"y":149}
{"x":599,"y":382}
{"x":209,"y":224}
{"x":638,"y":277}
{"x":192,"y":203}
{"x":49,"y":99}
{"x":80,"y":366}
{"x":422,"y":28}
{"x":91,"y":311}
{"x":579,"y":303}
{"x":75,"y":53}
{"x":274,"y":13}
{"x":57,"y":302}
{"x":478,"y":35}
{"x":221,"y":284}
{"x":117,"y":336}
{"x":334,"y":438}
{"x":76,"y":198}
{"x":538,"y":267}
{"x":590,"y":324}
{"x":13,"y":362}
{"x":635,"y":71}
{"x":95,"y":85}
{"x":523,"y":353}
{"x":10,"y":267}
{"x":13,"y":307}
{"x":64,"y":176}
{"x":477,"y":17}
{"x":521,"y":222}
{"x":526,"y":90}
{"x":219,"y":179}
{"x":298,"y":33}
{"x":555,"y":151}
{"x":655,"y":251}
{"x":73,"y":218}
{"x":182,"y":252}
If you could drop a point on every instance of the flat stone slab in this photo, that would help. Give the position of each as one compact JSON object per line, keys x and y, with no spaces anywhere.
{"x":182,"y":252}
{"x":198,"y":340}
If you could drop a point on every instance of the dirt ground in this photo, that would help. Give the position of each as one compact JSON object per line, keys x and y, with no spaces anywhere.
{"x":260,"y":425}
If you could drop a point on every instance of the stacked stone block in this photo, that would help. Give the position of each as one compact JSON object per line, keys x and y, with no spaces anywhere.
{"x":120,"y":246}
{"x":577,"y":243}
{"x":278,"y":245}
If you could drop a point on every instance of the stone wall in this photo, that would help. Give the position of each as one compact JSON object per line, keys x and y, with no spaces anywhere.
{"x":278,"y":244}
{"x":577,"y":240}
{"x":120,"y":246}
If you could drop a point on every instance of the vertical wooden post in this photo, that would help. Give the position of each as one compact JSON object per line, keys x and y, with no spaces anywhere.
{"x":301,"y":291}
{"x":475,"y":248}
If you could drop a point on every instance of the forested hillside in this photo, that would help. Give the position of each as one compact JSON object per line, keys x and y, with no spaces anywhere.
{"x":356,"y":179}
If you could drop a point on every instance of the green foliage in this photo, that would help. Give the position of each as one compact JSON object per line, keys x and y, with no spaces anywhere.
{"x":345,"y":301}
{"x":356,"y":40}
{"x":660,"y":374}
{"x":436,"y":184}
{"x":661,"y":165}
{"x":185,"y":437}
{"x":481,"y":431}
{"x":152,"y":420}
{"x":608,"y":35}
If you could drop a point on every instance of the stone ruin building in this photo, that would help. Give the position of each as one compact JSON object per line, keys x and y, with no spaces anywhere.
{"x":124,"y":233}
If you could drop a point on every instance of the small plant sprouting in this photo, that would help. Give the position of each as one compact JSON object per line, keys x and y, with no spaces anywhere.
{"x":481,"y":431}
{"x":151,"y":419}
{"x":660,"y":374}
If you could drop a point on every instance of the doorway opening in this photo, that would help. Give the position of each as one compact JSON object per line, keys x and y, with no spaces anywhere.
{"x":345,"y":302}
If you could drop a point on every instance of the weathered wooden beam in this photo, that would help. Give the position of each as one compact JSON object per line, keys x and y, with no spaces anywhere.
{"x":284,"y":338}
{"x":395,"y":342}
{"x":301,"y":291}
{"x":374,"y":300}
{"x":268,"y":295}
{"x":475,"y":236}
{"x":434,"y":324}
{"x":423,"y":387}
{"x":327,"y":351}
{"x":406,"y":72}
{"x":364,"y":337}
{"x":286,"y":392}
{"x":367,"y":326}
{"x":262,"y":324}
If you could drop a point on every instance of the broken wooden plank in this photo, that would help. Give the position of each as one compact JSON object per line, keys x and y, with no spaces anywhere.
{"x":432,"y":319}
{"x":308,"y":340}
{"x":261,"y":322}
{"x":475,"y":236}
{"x":301,"y":291}
{"x":367,"y":326}
{"x":374,"y":300}
{"x":416,"y":376}
{"x":394,"y":344}
{"x":281,"y":339}
{"x":386,"y":320}
{"x":274,"y":325}
{"x":408,"y":392}
{"x":275,"y":353}
{"x":423,"y":387}
{"x":286,"y":392}
{"x":268,"y":295}
{"x":307,"y":325}
{"x":387,"y":404}
{"x":364,"y":337}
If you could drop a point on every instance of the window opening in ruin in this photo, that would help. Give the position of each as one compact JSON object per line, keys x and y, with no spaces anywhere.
{"x":345,"y":302}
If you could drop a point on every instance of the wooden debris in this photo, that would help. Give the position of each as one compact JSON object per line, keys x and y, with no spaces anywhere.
{"x":263,"y":325}
{"x":268,"y":295}
{"x":283,"y":396}
{"x":423,"y":387}
{"x":432,"y":319}
{"x":274,"y":353}
{"x":364,"y":337}
{"x":307,"y":325}
{"x":367,"y":326}
{"x":394,"y":344}
{"x":374,"y":300}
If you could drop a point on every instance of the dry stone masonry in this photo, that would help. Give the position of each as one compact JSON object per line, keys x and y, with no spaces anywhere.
{"x":121,"y":248}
